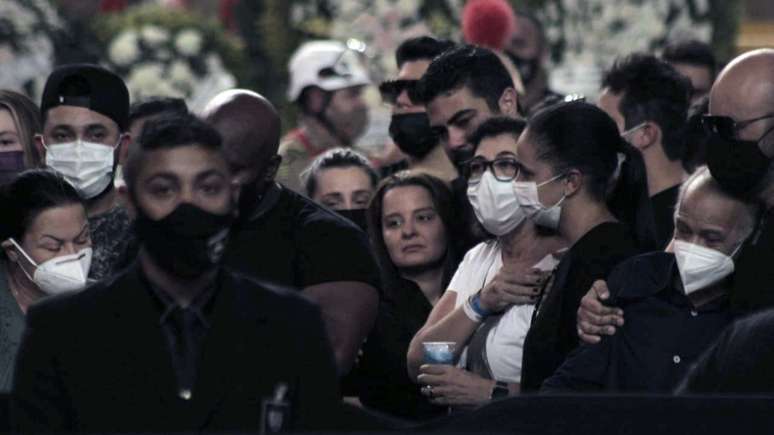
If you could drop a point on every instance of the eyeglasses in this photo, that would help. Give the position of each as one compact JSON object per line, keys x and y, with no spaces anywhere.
{"x":503,"y":168}
{"x":726,"y":127}
{"x":391,"y":90}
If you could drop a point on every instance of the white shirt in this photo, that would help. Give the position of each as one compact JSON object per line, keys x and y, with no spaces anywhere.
{"x":505,"y":342}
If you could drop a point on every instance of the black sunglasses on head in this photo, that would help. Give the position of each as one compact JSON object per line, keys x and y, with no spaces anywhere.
{"x":726,"y":127}
{"x":391,"y":90}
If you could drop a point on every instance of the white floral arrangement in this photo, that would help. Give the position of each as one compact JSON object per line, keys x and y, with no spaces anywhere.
{"x":169,"y":53}
{"x":26,"y":45}
{"x":587,"y":35}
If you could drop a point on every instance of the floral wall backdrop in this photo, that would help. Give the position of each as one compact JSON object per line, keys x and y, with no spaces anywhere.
{"x":170,"y":52}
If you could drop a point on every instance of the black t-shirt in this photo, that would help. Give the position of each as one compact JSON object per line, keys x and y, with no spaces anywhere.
{"x":754,"y":276}
{"x":384,"y":383}
{"x":299,"y":243}
{"x":663,"y":204}
{"x":553,"y":334}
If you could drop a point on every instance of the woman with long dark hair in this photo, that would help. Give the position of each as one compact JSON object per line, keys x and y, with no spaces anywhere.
{"x":572,"y":153}
{"x":410,"y":222}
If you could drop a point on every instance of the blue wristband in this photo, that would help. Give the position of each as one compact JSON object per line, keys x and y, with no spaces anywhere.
{"x":475,"y":303}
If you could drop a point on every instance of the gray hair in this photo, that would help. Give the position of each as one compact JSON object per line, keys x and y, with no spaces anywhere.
{"x":702,"y":177}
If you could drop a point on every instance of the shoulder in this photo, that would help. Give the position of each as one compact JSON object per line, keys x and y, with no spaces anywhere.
{"x":290,"y":147}
{"x":642,"y":276}
{"x":487,"y":250}
{"x":608,"y":240}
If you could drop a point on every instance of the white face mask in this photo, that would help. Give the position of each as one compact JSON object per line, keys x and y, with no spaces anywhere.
{"x":88,"y":166}
{"x":60,"y":274}
{"x":527,"y":195}
{"x":495,"y":204}
{"x":699,"y":266}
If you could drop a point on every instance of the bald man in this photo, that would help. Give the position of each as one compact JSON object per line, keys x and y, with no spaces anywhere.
{"x":285,"y":237}
{"x":740,"y":149}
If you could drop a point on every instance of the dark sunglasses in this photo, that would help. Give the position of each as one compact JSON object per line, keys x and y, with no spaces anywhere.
{"x":726,"y":127}
{"x":391,"y":90}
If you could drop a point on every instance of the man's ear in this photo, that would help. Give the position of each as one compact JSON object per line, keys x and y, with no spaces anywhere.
{"x":272,"y":167}
{"x":41,"y":149}
{"x":10,"y":251}
{"x":509,"y":103}
{"x":645,"y":136}
{"x":123,"y":147}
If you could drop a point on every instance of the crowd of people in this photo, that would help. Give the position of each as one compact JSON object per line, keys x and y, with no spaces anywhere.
{"x":170,"y":271}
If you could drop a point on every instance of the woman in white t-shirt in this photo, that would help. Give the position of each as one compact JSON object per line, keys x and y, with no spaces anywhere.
{"x":488,"y":306}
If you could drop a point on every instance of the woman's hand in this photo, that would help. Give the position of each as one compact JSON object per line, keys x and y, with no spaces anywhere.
{"x":450,"y":385}
{"x":512,"y":286}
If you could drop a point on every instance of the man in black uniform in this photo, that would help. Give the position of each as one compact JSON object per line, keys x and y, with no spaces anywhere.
{"x":175,"y":343}
{"x":287,"y":238}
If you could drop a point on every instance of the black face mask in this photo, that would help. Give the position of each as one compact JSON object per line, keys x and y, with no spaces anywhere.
{"x":356,"y":216}
{"x":411,"y":132}
{"x":460,"y":157}
{"x":528,"y":68}
{"x":738,"y":165}
{"x":187,"y":242}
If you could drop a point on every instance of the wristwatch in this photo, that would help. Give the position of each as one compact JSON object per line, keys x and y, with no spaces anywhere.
{"x":499,"y":390}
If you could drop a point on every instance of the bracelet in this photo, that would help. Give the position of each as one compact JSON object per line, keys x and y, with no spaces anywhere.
{"x":475,"y":303}
{"x":467,"y":308}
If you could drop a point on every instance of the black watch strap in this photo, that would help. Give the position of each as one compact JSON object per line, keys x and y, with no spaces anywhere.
{"x":499,"y":390}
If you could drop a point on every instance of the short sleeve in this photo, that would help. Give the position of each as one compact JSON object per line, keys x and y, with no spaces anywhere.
{"x":472,"y":271}
{"x":330,"y":249}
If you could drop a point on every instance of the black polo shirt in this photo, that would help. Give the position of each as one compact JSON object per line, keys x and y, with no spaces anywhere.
{"x":663,"y":334}
{"x":293,"y":241}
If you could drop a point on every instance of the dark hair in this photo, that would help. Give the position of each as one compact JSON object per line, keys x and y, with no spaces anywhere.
{"x":692,"y":52}
{"x":336,"y":158}
{"x":26,"y":117}
{"x":155,"y":106}
{"x":652,"y":91}
{"x":496,"y":126}
{"x":476,"y":68}
{"x":168,"y":132}
{"x":443,"y":201}
{"x":28,"y":195}
{"x":582,"y":136}
{"x":421,"y":48}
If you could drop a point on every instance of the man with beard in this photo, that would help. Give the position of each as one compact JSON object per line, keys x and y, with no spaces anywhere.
{"x":462,"y":88}
{"x":326,"y":82}
{"x":410,"y":125}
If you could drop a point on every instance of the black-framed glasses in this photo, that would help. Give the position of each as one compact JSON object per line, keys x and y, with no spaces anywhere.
{"x":726,"y":127}
{"x":503,"y":168}
{"x":391,"y":90}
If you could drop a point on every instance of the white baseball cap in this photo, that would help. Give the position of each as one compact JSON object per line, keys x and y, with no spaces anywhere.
{"x":329,"y":65}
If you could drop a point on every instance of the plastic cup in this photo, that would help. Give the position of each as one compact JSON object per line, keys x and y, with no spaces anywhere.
{"x":439,"y":352}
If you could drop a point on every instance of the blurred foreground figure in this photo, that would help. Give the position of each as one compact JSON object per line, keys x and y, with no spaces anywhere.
{"x":176,"y":343}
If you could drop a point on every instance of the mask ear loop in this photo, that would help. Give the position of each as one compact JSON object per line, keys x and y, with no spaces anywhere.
{"x":19,"y":248}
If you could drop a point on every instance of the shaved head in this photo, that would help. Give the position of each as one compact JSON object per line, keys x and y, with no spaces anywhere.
{"x":745,"y":88}
{"x":250,"y":127}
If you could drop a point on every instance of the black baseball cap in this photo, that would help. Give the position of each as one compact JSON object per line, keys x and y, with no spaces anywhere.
{"x":90,"y":86}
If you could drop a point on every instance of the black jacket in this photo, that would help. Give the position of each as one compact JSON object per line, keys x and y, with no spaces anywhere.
{"x":97,"y":361}
{"x":663,"y":334}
